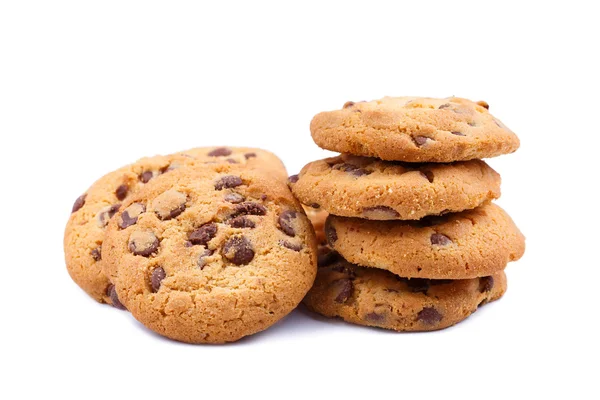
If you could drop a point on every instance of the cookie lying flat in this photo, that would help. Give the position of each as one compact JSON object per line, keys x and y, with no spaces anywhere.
{"x":210,"y":254}
{"x":93,"y":210}
{"x":464,"y":245}
{"x":317,"y":217}
{"x":414,"y":129}
{"x":361,"y":187}
{"x":374,"y":297}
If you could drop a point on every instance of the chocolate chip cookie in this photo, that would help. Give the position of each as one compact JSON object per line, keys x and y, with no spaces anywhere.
{"x":374,"y":297}
{"x":353,"y":186}
{"x":209,"y":254}
{"x":464,"y":245}
{"x":414,"y":129}
{"x":92,"y":211}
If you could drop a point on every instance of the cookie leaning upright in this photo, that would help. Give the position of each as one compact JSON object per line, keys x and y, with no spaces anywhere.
{"x":414,"y":129}
{"x":209,"y":254}
{"x":93,"y":210}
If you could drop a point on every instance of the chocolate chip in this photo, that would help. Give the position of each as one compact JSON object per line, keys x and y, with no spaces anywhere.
{"x":234,"y":198}
{"x":293,"y":179}
{"x":204,"y":234}
{"x":170,"y":167}
{"x":131,"y":214}
{"x":429,"y":316}
{"x":343,"y":289}
{"x":483,"y":104}
{"x":486,"y":284}
{"x":428,"y":175}
{"x":203,"y":256}
{"x":287,"y":222}
{"x":447,"y":105}
{"x":330,"y":232}
{"x":249,"y":155}
{"x":111,"y":292}
{"x":352,"y":169}
{"x":241,"y":222}
{"x":348,"y":104}
{"x":458,"y":133}
{"x":250,"y":208}
{"x":169,"y":205}
{"x":220,"y":152}
{"x":420,"y":140}
{"x":380,"y":213}
{"x":79,"y":203}
{"x":232,"y":161}
{"x":228,"y":181}
{"x":158,"y":274}
{"x":97,"y":253}
{"x":472,"y":123}
{"x":105,"y":214}
{"x":146,"y":176}
{"x":326,"y":256}
{"x":315,"y":205}
{"x":238,"y":250}
{"x":143,"y":243}
{"x":121,"y":192}
{"x":418,"y":285}
{"x":290,"y":245}
{"x":440,"y":240}
{"x":263,"y":197}
{"x":375,"y":318}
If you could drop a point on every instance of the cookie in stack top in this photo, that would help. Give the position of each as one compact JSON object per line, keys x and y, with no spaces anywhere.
{"x":413,"y":240}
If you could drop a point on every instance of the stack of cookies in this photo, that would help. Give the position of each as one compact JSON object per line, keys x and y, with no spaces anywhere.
{"x":413,"y":240}
{"x":204,"y":246}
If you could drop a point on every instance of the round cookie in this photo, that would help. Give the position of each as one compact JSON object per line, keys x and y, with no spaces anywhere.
{"x":374,"y":297}
{"x":353,"y":186}
{"x":464,"y":245}
{"x":317,"y":217}
{"x":92,"y":211}
{"x":414,"y":129}
{"x":210,"y":254}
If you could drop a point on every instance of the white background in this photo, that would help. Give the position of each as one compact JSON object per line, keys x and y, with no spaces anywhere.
{"x":86,"y":87}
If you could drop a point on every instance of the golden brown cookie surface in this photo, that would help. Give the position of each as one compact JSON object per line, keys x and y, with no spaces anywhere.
{"x":374,"y":297}
{"x":414,"y":129}
{"x":464,"y":245}
{"x":85,"y":230}
{"x":212,"y":253}
{"x":361,"y":187}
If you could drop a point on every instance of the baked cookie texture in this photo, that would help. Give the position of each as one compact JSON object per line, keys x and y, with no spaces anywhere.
{"x":210,"y":254}
{"x":464,"y":245}
{"x":353,"y":186}
{"x":374,"y":297}
{"x":85,"y":230}
{"x":414,"y":129}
